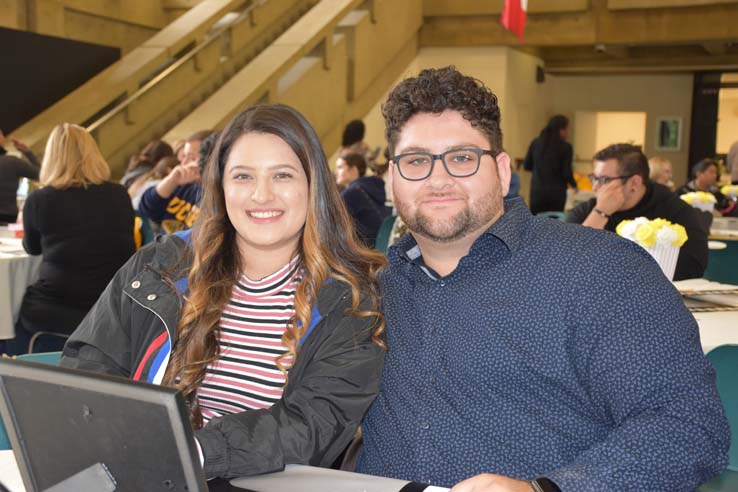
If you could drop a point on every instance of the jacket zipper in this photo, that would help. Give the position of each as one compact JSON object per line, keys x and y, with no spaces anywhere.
{"x":169,"y":333}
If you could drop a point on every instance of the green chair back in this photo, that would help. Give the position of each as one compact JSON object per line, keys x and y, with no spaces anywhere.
{"x":49,"y":358}
{"x":725,"y":361}
{"x":383,"y":236}
{"x":552,"y":215}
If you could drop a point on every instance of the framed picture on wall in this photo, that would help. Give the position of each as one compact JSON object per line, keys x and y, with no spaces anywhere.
{"x":669,"y":133}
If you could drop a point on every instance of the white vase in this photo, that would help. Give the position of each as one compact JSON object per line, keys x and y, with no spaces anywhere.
{"x":704,"y":206}
{"x":666,"y":257}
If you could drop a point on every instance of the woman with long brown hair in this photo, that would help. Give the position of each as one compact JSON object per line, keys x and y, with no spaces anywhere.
{"x":266,"y":316}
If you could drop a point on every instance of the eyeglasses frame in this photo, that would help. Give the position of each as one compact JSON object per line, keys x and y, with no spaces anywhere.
{"x":479,"y":152}
{"x":605,"y":180}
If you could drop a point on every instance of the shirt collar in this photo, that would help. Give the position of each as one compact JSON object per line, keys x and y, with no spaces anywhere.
{"x":510,"y":229}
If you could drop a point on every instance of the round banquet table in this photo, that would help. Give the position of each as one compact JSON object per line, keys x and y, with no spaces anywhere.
{"x":17,"y":271}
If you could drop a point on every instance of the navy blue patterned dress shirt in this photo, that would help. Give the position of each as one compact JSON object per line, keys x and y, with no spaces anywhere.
{"x":552,"y":350}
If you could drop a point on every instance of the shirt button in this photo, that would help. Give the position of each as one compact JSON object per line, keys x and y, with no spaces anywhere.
{"x":424,"y":425}
{"x":151,"y":297}
{"x":136,"y":284}
{"x":442,"y":283}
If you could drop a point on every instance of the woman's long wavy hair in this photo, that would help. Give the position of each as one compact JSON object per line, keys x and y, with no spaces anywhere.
{"x":328,"y":248}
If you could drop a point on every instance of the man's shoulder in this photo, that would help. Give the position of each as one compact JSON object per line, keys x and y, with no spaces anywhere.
{"x":670,"y":206}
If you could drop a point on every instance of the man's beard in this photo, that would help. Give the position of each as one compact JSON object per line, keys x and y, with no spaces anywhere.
{"x":470,"y":219}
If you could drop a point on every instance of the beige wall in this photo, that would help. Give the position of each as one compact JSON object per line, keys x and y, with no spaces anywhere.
{"x":656,"y":95}
{"x":510,"y":75}
{"x":727,"y":132}
{"x":525,"y":104}
{"x":120,"y":23}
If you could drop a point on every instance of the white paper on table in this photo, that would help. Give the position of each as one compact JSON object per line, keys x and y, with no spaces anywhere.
{"x":697,"y":285}
{"x":9,"y":474}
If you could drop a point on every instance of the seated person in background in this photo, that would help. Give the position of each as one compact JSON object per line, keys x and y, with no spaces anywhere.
{"x":523,"y":348}
{"x":265,"y":314}
{"x":151,"y":178}
{"x":380,"y":170}
{"x":731,"y":162}
{"x":363,"y":195}
{"x":83,"y":226}
{"x":352,"y":142}
{"x":144,"y":162}
{"x":705,"y":175}
{"x":12,"y":169}
{"x":173,"y":203}
{"x":624,"y":191}
{"x":660,"y":171}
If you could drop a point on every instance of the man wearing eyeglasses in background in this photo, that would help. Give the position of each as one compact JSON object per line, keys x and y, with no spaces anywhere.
{"x":624,"y":191}
{"x":525,"y":354}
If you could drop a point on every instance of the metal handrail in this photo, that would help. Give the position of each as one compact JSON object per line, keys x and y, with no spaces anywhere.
{"x":176,"y":64}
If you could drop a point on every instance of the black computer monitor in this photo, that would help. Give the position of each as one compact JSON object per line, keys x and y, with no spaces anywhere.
{"x":61,"y":422}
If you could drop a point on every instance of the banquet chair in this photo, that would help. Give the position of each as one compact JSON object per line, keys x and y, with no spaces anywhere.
{"x":553,"y":215}
{"x":36,"y":336}
{"x":384,"y":233}
{"x":724,"y":360}
{"x":48,"y":358}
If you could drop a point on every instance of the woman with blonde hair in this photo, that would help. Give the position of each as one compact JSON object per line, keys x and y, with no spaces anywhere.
{"x":265,"y":314}
{"x":83,"y":226}
{"x":660,"y":171}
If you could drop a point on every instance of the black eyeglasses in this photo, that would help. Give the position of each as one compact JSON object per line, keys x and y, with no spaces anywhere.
{"x":603,"y":180}
{"x":459,"y":163}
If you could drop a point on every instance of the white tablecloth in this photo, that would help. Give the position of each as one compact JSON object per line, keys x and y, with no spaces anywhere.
{"x":9,"y":474}
{"x":717,"y":327}
{"x":17,"y":271}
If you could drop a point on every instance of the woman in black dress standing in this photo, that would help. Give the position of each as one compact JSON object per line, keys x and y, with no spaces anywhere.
{"x":550,"y":158}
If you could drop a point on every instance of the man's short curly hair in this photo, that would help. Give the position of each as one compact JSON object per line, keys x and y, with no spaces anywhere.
{"x":436,"y":90}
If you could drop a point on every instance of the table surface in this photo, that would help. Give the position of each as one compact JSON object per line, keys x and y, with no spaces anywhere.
{"x":724,"y":228}
{"x":310,"y":478}
{"x":9,"y":474}
{"x":17,"y":271}
{"x":715,"y":307}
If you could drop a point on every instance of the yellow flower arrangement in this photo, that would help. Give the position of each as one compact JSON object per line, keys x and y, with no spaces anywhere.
{"x":730,"y":191}
{"x":698,"y":197}
{"x":649,"y":233}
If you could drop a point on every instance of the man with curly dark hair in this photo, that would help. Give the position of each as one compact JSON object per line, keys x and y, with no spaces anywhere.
{"x":524,"y":352}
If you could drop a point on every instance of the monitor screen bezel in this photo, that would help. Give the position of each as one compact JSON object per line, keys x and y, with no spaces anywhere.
{"x":169,"y":398}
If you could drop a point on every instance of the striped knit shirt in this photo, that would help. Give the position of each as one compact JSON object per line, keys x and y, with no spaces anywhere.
{"x":245,"y":376}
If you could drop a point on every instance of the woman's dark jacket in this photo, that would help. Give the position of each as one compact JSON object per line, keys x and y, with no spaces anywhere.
{"x":129,"y":332}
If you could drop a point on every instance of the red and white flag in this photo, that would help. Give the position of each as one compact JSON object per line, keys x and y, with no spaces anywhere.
{"x":513,"y":16}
